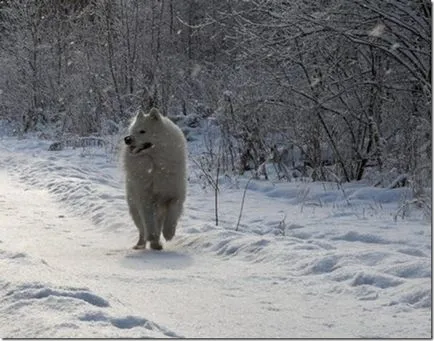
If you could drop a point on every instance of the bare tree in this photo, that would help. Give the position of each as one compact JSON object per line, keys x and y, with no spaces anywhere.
{"x":344,"y":83}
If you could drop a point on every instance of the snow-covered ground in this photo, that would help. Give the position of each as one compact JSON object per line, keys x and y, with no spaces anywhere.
{"x":308,"y":259}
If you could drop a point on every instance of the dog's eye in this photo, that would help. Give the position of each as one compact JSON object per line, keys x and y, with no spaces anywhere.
{"x":142,"y":131}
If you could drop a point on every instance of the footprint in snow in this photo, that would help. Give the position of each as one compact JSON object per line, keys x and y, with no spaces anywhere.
{"x":324,"y":265}
{"x":413,"y":252}
{"x":353,"y":236}
{"x":294,"y":227}
{"x":375,"y":280}
{"x":12,"y":255}
{"x":39,"y":291}
{"x":126,"y":322}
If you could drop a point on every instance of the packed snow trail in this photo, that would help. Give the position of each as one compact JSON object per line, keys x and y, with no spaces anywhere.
{"x":64,"y":279}
{"x":68,"y":270}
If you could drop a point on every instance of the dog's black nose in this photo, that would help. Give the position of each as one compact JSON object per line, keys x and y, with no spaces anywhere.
{"x":128,"y":140}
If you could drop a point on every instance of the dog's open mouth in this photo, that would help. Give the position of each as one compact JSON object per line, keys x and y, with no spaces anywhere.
{"x":138,"y":149}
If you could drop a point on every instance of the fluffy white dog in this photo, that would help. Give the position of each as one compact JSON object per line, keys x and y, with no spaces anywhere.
{"x":155,"y":162}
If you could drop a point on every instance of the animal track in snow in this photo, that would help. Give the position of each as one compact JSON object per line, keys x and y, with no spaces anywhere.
{"x":11,"y":255}
{"x":126,"y":322}
{"x":418,"y":269}
{"x":353,"y":236}
{"x":324,"y":265}
{"x":418,"y":299}
{"x":413,"y":252}
{"x":122,"y":323}
{"x":29,"y":292}
{"x":294,"y":227}
{"x":376,"y":280}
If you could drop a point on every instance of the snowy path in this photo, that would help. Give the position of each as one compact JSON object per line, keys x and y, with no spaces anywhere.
{"x":198,"y":296}
{"x":68,"y":270}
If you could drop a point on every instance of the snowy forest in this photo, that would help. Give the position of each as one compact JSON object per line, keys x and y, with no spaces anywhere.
{"x":307,"y":209}
{"x":336,"y":90}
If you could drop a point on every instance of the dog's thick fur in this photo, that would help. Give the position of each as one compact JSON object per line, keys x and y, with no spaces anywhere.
{"x":155,"y":162}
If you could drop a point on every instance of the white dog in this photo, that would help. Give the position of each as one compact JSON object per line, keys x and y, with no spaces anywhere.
{"x":155,"y":161}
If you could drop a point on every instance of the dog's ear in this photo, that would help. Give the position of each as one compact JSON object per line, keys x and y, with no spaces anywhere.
{"x":155,"y":114}
{"x":140,"y":114}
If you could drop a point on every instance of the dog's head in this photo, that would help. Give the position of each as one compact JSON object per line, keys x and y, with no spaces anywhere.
{"x":144,"y":132}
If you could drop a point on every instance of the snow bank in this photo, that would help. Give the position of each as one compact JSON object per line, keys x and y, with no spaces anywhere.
{"x":327,"y":242}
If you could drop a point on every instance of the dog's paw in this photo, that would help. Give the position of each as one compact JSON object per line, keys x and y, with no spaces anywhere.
{"x":156,"y":246}
{"x":139,"y":246}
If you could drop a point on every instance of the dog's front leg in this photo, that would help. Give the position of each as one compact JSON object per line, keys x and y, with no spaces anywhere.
{"x":152,"y":233}
{"x":141,"y":244}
